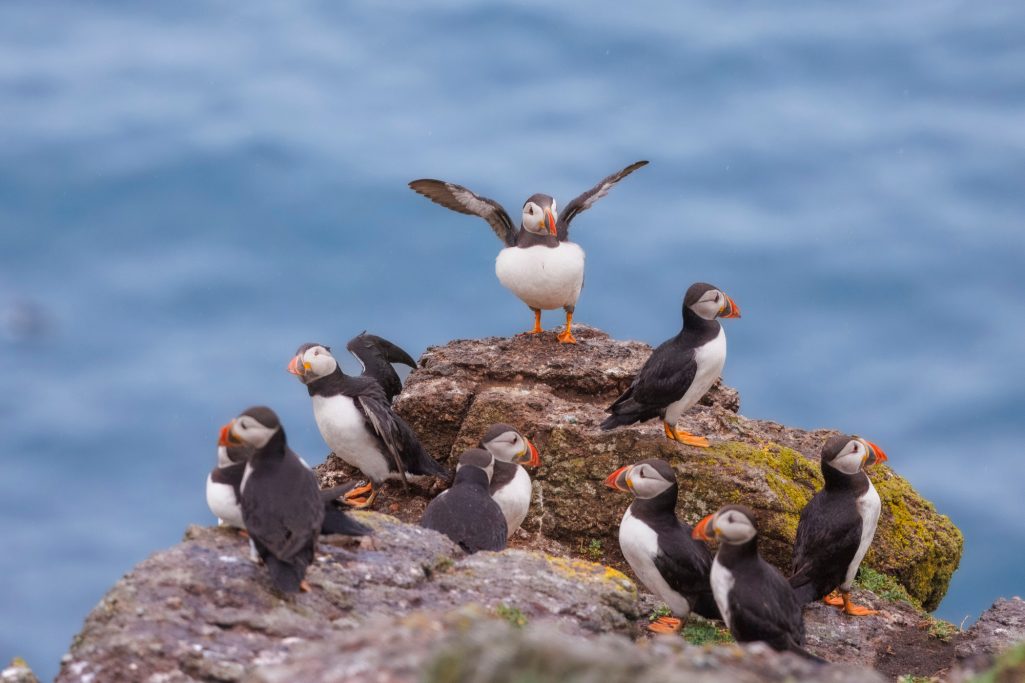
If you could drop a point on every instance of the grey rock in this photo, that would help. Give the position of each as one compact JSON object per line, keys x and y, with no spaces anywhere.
{"x":999,"y":627}
{"x":18,"y":671}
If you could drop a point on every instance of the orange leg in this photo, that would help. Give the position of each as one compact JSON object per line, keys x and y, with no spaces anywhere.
{"x":833,"y":599}
{"x":674,"y":434}
{"x":357,"y":499}
{"x":566,"y":336}
{"x":856,"y":610}
{"x":665,"y":625}
{"x":304,"y":587}
{"x":537,"y":322}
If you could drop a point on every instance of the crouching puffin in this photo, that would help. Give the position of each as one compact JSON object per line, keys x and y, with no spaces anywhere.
{"x":680,"y":370}
{"x":282,"y":507}
{"x":224,"y":495}
{"x":755,"y":601}
{"x":357,"y":422}
{"x":466,"y":513}
{"x":659,"y":547}
{"x":837,"y":525}
{"x":376,"y":355}
{"x":510,"y":483}
{"x":538,"y":264}
{"x":224,"y":485}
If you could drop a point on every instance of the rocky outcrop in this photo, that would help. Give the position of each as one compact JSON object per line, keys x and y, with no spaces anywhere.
{"x":18,"y":671}
{"x":204,"y":611}
{"x":994,"y":644}
{"x":557,"y":394}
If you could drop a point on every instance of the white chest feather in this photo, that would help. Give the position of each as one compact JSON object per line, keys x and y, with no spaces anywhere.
{"x":639,"y":544}
{"x":710,"y":359}
{"x":722,"y":583}
{"x":345,"y":432}
{"x":514,"y":499}
{"x":543,"y":277}
{"x":223,"y":503}
{"x":869,"y":507}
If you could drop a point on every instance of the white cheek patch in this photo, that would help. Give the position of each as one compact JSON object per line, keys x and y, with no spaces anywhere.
{"x":706,"y":309}
{"x":849,"y":463}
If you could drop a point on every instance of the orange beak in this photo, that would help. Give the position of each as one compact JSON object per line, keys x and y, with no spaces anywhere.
{"x":550,"y":221}
{"x":617,"y":480}
{"x":227,"y":437}
{"x":295,"y":366}
{"x":701,"y":530}
{"x":531,"y":458}
{"x":878,"y":455}
{"x":730,"y":309}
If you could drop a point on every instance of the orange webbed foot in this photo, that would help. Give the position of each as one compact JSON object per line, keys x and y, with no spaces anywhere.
{"x":357,"y":498}
{"x":666,"y":625}
{"x":304,"y":587}
{"x":833,"y":599}
{"x":684,"y":437}
{"x":566,"y":337}
{"x":856,"y":610}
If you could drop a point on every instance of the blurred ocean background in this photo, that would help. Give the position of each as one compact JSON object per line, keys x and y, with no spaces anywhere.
{"x":190,"y":190}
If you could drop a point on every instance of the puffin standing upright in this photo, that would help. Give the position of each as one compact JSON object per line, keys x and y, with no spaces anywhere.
{"x":376,"y":355}
{"x":358,"y":423}
{"x":682,"y":369}
{"x":837,"y":525}
{"x":659,"y":547}
{"x":282,"y":507}
{"x":466,"y":513}
{"x":538,"y":264}
{"x":755,"y":601}
{"x":510,"y":484}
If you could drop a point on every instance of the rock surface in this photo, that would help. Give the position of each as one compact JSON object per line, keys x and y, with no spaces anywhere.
{"x":557,"y":395}
{"x":995,"y":643}
{"x":203,"y":611}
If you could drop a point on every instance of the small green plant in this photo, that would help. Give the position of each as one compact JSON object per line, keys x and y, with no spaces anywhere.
{"x":701,"y":632}
{"x":884,"y":586}
{"x":511,"y":614}
{"x":942,"y":630}
{"x":593,"y":549}
{"x":908,"y":678}
{"x":660,"y":611}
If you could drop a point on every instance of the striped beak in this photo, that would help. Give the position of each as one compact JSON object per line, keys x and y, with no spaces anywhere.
{"x":702,"y":531}
{"x":530,"y":457}
{"x":875,"y":454}
{"x":297,"y":367}
{"x":227,"y":436}
{"x":619,"y":480}
{"x":729,"y":309}
{"x":550,"y":221}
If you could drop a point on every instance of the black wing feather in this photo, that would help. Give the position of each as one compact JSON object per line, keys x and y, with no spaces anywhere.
{"x":377,"y":354}
{"x":685,"y":564}
{"x":765,"y":608}
{"x":587,"y":199}
{"x":459,"y":198}
{"x":665,"y":377}
{"x":828,"y":536}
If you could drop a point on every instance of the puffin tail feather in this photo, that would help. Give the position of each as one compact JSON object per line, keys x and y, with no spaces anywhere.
{"x":804,"y":589}
{"x":336,"y":521}
{"x":798,"y":650}
{"x":286,"y":576}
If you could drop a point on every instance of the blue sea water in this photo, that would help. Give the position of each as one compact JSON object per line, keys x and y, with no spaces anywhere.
{"x":190,"y":190}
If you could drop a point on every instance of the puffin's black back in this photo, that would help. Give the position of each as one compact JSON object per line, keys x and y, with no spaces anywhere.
{"x":377,"y":355}
{"x":467,"y":514}
{"x":829,"y":531}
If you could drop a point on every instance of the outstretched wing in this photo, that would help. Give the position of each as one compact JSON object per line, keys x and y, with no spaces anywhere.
{"x":587,"y":199}
{"x":458,"y":198}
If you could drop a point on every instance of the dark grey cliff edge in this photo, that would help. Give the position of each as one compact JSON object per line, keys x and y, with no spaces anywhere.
{"x":408,"y":605}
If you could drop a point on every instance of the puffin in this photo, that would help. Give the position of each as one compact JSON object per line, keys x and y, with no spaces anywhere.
{"x":224,"y":485}
{"x":659,"y":547}
{"x":837,"y":525}
{"x":376,"y":355}
{"x":224,"y":495}
{"x":358,"y":423}
{"x":466,"y":513}
{"x":282,"y":507}
{"x":538,"y":263}
{"x":755,"y":600}
{"x":510,"y":483}
{"x":679,"y":372}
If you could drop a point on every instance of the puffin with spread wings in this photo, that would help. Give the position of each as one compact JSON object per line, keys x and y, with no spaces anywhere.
{"x":539,"y":263}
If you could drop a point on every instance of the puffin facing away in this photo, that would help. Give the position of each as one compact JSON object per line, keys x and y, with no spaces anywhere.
{"x":357,"y":422}
{"x":538,"y":264}
{"x":376,"y":355}
{"x":659,"y":547}
{"x":510,"y":483}
{"x":755,"y":601}
{"x":466,"y":512}
{"x":837,"y":525}
{"x":682,"y":369}
{"x":282,"y":505}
